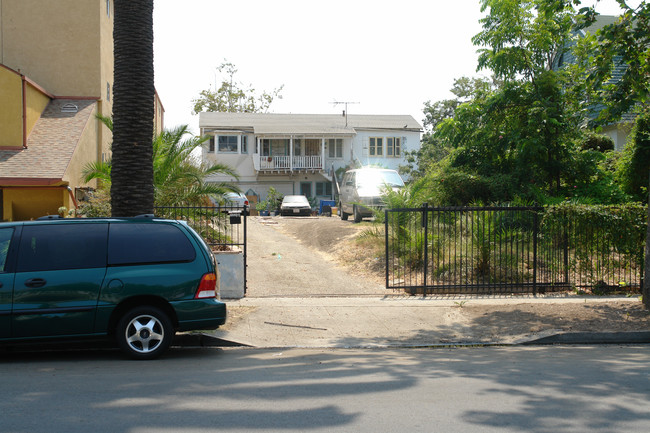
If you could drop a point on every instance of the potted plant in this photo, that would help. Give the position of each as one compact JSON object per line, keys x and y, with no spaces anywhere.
{"x":274,"y":200}
{"x":263,"y":207}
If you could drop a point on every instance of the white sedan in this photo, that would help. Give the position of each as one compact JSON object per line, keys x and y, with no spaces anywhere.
{"x":295,"y":205}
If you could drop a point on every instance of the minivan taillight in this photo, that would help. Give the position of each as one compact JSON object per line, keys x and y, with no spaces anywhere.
{"x":207,"y":287}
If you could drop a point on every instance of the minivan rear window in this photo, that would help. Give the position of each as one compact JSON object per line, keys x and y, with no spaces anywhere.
{"x":131,"y":244}
{"x":52,"y":247}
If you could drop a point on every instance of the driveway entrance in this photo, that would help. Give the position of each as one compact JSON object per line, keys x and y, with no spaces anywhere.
{"x":295,"y":257}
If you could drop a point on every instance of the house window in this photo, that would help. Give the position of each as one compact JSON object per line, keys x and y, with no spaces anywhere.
{"x":335,"y":147}
{"x":244,"y":144}
{"x":266,"y":147}
{"x":108,"y":8}
{"x":227,"y":144}
{"x":324,"y":188}
{"x":211,"y":144}
{"x":305,"y":189}
{"x":376,"y":147}
{"x":394,"y":146}
{"x":108,"y":91}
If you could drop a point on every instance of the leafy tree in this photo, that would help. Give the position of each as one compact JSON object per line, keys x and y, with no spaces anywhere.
{"x":233,"y":96}
{"x":624,"y":44}
{"x":132,"y":190}
{"x":523,"y":38}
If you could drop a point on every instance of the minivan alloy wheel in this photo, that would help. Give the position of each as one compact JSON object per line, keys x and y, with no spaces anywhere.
{"x":144,"y":332}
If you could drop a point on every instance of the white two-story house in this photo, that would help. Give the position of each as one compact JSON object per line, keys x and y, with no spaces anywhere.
{"x":300,"y":153}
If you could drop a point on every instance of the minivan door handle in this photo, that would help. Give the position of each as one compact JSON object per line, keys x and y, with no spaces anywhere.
{"x":35,"y":282}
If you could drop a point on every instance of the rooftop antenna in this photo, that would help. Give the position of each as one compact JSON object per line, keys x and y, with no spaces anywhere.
{"x":345,"y":112}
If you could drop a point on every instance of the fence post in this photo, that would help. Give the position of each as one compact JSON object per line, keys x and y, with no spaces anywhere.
{"x":386,"y":241}
{"x":425,"y":224}
{"x":535,"y":232}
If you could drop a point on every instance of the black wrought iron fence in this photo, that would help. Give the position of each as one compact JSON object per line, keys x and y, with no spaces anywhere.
{"x":507,"y":250}
{"x":223,"y":228}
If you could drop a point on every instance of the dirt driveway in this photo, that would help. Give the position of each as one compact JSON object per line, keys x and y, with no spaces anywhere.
{"x":295,"y":256}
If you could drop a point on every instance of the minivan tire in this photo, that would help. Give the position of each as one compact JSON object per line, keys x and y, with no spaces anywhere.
{"x":344,"y":216}
{"x":144,"y":333}
{"x":357,"y":214}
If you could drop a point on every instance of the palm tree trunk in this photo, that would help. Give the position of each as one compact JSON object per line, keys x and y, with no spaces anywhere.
{"x":132,"y":191}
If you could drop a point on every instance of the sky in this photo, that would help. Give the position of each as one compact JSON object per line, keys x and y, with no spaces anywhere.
{"x":381,"y":56}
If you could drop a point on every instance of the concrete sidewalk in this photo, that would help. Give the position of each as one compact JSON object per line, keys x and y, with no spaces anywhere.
{"x":404,"y":321}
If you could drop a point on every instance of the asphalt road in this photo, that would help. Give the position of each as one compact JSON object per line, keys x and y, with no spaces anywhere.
{"x":533,"y":389}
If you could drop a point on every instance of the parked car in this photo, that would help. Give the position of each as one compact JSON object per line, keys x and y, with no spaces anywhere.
{"x":232,"y":202}
{"x":295,"y":205}
{"x":361,"y":191}
{"x":135,"y":280}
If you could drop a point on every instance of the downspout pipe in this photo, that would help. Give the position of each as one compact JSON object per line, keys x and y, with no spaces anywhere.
{"x":24,"y":97}
{"x":74,"y":201}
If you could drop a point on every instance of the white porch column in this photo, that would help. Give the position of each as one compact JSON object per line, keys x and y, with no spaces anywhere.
{"x":291,"y":153}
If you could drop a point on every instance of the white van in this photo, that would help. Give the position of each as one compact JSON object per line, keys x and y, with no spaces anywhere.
{"x":361,"y":190}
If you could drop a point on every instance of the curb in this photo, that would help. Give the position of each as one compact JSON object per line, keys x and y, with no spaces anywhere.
{"x":569,"y":338}
{"x":639,"y":337}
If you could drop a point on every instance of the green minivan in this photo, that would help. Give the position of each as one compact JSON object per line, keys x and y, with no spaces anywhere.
{"x":137,"y":280}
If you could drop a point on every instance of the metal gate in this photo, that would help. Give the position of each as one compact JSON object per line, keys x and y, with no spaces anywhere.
{"x":223,"y":228}
{"x":500,"y":250}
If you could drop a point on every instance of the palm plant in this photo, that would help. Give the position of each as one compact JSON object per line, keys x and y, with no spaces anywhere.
{"x":177,"y":179}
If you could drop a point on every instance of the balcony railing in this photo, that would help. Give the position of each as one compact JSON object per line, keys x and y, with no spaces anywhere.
{"x":287,"y":162}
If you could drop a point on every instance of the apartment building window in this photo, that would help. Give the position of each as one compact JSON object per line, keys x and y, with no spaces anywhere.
{"x":335,"y":147}
{"x":227,"y":143}
{"x":376,"y":147}
{"x":244,"y":144}
{"x":394,"y":146}
{"x":108,"y":91}
{"x":324,"y":188}
{"x":211,"y":144}
{"x":108,"y":8}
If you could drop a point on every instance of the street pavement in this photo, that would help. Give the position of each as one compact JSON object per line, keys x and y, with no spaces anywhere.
{"x":408,"y":321}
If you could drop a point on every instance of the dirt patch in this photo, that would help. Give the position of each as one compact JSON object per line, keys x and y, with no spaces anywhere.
{"x":357,"y":247}
{"x":524,"y":318}
{"x":235,"y":315}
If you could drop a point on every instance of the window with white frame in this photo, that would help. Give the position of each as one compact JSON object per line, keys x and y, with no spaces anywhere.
{"x":376,"y":147}
{"x":244,"y":144}
{"x":335,"y":147}
{"x":227,"y":143}
{"x":394,"y":146}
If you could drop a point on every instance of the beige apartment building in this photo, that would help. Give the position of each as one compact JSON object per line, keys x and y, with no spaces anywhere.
{"x":56,"y":75}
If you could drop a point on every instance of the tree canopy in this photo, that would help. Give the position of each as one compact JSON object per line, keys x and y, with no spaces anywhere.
{"x":233,"y":96}
{"x":526,"y":133}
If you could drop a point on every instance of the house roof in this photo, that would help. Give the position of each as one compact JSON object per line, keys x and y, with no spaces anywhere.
{"x":600,"y":22}
{"x":50,"y":145}
{"x":304,"y":124}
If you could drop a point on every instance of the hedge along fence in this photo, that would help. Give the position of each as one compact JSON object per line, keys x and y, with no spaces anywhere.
{"x":515,"y":249}
{"x":604,"y":245}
